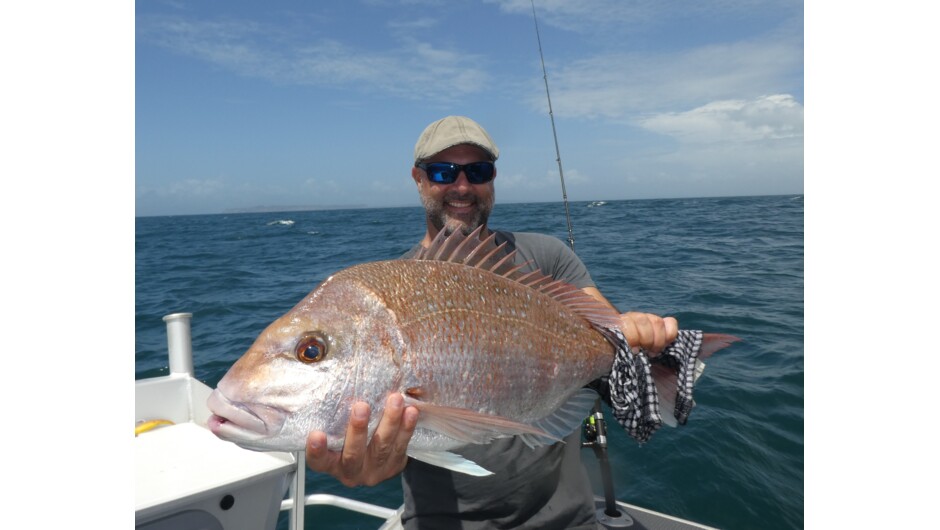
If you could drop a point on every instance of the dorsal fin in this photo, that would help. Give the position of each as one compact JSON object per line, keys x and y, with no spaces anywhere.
{"x":485,"y":254}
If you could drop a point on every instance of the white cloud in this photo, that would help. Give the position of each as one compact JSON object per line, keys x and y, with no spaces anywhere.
{"x":523,"y":187}
{"x":192,"y":187}
{"x":572,"y":177}
{"x":319,"y":187}
{"x":763,"y":118}
{"x":748,"y":161}
{"x":384,"y":187}
{"x":394,"y":191}
{"x":581,"y":16}
{"x":626,"y":16}
{"x":183,"y":196}
{"x":404,"y":27}
{"x":518,"y":182}
{"x":411,"y":69}
{"x":623,"y":85}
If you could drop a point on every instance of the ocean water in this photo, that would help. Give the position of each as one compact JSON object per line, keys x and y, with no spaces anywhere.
{"x":729,"y":265}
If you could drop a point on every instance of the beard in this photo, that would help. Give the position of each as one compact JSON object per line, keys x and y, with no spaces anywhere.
{"x":441,"y":220}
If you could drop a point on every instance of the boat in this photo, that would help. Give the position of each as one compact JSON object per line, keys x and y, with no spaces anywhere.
{"x":188,"y":479}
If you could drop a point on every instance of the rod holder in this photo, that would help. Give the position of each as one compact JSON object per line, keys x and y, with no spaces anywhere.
{"x":179,"y":342}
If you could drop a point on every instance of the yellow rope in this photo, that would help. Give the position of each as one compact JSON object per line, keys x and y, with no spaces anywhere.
{"x":145,"y":426}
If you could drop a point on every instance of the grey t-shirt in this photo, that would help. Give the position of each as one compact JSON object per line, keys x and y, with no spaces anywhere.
{"x":542,"y":488}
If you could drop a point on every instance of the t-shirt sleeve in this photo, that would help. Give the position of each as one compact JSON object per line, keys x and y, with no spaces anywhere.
{"x":554,"y":258}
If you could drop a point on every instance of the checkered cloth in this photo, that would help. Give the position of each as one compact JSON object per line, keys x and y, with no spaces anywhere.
{"x":630,"y":389}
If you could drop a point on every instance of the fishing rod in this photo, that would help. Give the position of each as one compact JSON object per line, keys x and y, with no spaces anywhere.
{"x":551,"y":115}
{"x":595,"y":426}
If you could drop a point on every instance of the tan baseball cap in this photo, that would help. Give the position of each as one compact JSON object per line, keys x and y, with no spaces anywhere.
{"x":451,"y":131}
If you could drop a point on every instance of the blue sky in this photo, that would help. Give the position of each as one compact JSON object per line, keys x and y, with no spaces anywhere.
{"x":246,"y":104}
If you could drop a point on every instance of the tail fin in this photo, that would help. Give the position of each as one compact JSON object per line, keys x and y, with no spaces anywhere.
{"x":645,"y":393}
{"x":682,"y":361}
{"x":712,"y":342}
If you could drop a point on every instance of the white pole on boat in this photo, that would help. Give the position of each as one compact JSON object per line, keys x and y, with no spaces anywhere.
{"x":299,"y":493}
{"x":179,"y":342}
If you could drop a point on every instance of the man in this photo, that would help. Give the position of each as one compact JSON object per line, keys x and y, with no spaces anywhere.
{"x":535,"y":488}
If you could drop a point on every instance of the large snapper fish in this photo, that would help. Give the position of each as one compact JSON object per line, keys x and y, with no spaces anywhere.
{"x":482,"y":349}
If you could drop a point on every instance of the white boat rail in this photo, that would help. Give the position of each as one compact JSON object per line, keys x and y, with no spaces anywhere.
{"x":327,"y":499}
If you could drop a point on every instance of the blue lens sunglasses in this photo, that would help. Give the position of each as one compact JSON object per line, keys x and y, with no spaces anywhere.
{"x":447,"y":172}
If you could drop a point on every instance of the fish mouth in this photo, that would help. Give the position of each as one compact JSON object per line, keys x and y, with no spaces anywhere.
{"x":240,"y":423}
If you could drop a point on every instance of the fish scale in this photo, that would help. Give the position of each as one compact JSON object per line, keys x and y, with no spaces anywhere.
{"x":468,"y":345}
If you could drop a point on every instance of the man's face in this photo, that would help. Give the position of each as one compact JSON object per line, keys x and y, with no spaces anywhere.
{"x":459,"y":205}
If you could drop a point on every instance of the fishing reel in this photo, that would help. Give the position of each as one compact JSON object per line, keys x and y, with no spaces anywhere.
{"x":594,"y":430}
{"x":589,"y":431}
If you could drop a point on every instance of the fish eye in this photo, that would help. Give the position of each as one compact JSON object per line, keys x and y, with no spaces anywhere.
{"x":311,"y":348}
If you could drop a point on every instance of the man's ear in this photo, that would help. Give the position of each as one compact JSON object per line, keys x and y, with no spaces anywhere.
{"x":416,"y":174}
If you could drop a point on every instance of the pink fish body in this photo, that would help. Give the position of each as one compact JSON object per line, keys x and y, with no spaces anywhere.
{"x":482,"y":349}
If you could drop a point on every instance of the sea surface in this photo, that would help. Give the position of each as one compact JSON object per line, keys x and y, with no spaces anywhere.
{"x":729,"y":265}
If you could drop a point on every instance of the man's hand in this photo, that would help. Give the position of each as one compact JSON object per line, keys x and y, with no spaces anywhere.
{"x":648,"y":331}
{"x":363,"y":462}
{"x":643,"y":330}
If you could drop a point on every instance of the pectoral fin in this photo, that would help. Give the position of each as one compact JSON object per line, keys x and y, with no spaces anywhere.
{"x":568,"y":417}
{"x":470,"y":426}
{"x":451,"y":461}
